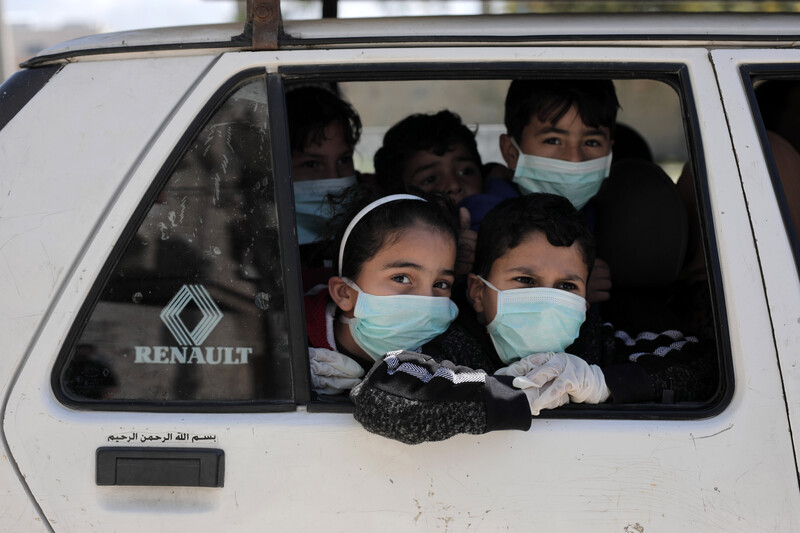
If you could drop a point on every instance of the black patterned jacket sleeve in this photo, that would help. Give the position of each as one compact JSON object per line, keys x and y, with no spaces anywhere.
{"x":661,"y":366}
{"x":411,"y":398}
{"x":678,"y":367}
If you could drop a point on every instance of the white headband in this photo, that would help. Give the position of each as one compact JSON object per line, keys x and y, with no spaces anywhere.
{"x":361,"y":214}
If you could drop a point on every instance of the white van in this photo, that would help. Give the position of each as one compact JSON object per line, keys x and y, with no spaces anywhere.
{"x":155,"y":371}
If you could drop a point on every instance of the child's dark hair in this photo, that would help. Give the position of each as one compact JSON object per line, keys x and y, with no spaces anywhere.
{"x":512,"y":220}
{"x":549,"y":100}
{"x":309,"y":109}
{"x":384,"y":223}
{"x":436,"y":133}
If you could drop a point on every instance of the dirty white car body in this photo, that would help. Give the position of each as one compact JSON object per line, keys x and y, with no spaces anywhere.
{"x":80,"y":157}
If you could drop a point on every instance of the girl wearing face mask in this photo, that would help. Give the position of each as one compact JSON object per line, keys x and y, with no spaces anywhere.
{"x":396,"y":269}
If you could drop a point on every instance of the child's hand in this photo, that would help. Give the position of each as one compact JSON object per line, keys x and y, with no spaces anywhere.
{"x":552,"y":379}
{"x":538,"y":397}
{"x":568,"y":374}
{"x":526,"y":365}
{"x":599,"y":287}
{"x":467,"y":239}
{"x":332,"y":372}
{"x":497,"y":171}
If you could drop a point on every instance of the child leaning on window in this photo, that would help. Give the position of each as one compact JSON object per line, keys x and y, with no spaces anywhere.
{"x":528,"y":290}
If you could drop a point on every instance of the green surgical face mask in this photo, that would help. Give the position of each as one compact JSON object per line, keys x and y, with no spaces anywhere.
{"x":534,"y":320}
{"x":577,"y":182}
{"x":383,"y":324}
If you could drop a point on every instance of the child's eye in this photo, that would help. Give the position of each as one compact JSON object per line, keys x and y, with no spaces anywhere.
{"x":443,"y":285}
{"x":594,"y":143}
{"x":430,"y":180}
{"x":467,"y":171}
{"x":525,"y":280}
{"x":566,"y":286}
{"x":310,"y":164}
{"x":552,"y":140}
{"x":346,"y":160}
{"x":401,"y":278}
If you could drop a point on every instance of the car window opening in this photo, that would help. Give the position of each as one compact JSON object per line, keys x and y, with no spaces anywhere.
{"x":640,"y":216}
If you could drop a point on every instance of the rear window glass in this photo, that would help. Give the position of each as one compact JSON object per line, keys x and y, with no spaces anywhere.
{"x":777,"y":98}
{"x":193,"y":309}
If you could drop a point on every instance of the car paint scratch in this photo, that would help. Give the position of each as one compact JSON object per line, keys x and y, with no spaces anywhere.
{"x":713,"y":434}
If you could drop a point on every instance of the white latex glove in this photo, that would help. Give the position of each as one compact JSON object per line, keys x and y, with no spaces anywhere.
{"x":525,"y":365}
{"x":538,"y":397}
{"x":332,"y":372}
{"x":567,"y":373}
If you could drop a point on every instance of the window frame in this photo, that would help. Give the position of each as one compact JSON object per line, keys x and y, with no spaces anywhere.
{"x":751,"y":73}
{"x":675,"y":74}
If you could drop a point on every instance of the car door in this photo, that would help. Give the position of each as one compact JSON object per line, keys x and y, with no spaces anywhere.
{"x":769,"y":186}
{"x":143,"y":435}
{"x":66,"y":153}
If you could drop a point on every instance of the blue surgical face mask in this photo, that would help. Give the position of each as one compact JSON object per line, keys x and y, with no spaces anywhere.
{"x":577,"y":182}
{"x":383,"y":324}
{"x":534,"y":320}
{"x":311,"y":207}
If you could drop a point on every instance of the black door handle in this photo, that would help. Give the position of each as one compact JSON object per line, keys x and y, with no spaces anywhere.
{"x":176,"y":467}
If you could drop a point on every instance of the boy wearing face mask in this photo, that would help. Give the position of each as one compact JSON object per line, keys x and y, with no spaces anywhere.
{"x":533,"y":261}
{"x":529,"y":287}
{"x":323,"y":132}
{"x":559,"y":139}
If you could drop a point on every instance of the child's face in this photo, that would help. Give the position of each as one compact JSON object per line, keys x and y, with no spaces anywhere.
{"x":454,"y":173}
{"x":330,"y":158}
{"x":533,"y":263}
{"x":569,"y":139}
{"x":420,"y":261}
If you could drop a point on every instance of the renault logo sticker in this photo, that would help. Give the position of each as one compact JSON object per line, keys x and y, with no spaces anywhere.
{"x":170,"y":315}
{"x":189,"y":350}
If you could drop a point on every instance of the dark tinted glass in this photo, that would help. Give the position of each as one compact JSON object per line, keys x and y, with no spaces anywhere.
{"x":194,"y":309}
{"x":778,"y":102}
{"x":17,"y":90}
